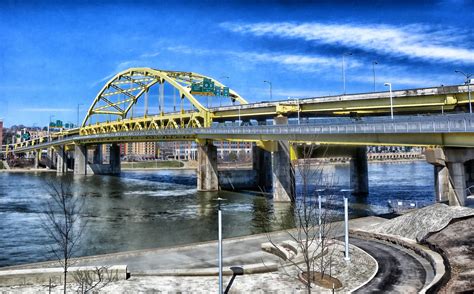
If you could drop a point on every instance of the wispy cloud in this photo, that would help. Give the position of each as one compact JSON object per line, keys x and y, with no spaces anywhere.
{"x":48,"y":109}
{"x":412,"y":41}
{"x":296,"y":62}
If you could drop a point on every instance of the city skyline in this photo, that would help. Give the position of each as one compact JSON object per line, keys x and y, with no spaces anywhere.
{"x":57,"y":55}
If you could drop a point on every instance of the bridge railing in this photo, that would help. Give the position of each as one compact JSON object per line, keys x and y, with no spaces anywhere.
{"x":459,"y":123}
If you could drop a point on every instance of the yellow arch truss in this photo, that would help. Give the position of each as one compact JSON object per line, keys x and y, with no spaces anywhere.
{"x":134,"y":82}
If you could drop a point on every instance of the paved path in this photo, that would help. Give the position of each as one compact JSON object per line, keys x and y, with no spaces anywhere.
{"x":399,"y":270}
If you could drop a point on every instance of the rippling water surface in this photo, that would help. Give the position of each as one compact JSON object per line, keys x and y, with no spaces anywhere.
{"x":148,"y":209}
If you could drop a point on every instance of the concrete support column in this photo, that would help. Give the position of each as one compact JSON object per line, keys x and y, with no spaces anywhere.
{"x":61,"y":160}
{"x":115,"y":166}
{"x":359,"y":172}
{"x":98,"y":158}
{"x":207,"y":178}
{"x":262,"y":163}
{"x":450,"y":173}
{"x":80,"y":160}
{"x":37,"y":154}
{"x":283,"y":175}
{"x":443,"y":189}
{"x":51,"y":158}
{"x":458,"y":179}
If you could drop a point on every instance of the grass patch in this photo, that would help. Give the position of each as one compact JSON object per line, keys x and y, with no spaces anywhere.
{"x":153,"y":164}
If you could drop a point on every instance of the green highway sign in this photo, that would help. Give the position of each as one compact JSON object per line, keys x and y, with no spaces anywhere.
{"x":225,"y":91}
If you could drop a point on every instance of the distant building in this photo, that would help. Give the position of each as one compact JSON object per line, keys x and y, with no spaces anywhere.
{"x":1,"y":133}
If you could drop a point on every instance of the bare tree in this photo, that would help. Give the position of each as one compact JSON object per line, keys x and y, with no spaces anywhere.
{"x":93,"y":280}
{"x":314,"y":230}
{"x":61,"y":222}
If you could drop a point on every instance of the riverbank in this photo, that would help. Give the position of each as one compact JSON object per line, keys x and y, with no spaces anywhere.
{"x":194,"y":266}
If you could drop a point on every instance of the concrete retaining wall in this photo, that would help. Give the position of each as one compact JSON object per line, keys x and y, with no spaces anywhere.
{"x":43,"y":276}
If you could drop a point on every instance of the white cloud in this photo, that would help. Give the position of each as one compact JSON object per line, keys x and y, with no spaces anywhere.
{"x":412,"y":41}
{"x":296,"y":62}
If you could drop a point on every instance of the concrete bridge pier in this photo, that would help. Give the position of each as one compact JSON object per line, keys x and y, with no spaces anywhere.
{"x":262,"y":164}
{"x":283,"y":173}
{"x":37,"y":154}
{"x":98,"y":157}
{"x":207,"y":176}
{"x":61,"y":160}
{"x":359,"y":174}
{"x":80,"y":160}
{"x":114,"y":160}
{"x":453,"y":174}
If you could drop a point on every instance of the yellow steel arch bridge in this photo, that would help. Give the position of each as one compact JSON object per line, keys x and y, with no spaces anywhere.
{"x":146,"y":99}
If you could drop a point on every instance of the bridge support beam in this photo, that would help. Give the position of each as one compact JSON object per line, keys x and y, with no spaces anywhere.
{"x":451,"y":178}
{"x":359,"y":174}
{"x":207,"y":177}
{"x":61,"y":160}
{"x":80,"y":160}
{"x":283,"y":174}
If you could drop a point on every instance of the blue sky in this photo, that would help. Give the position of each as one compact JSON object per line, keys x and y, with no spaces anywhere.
{"x":54,"y":55}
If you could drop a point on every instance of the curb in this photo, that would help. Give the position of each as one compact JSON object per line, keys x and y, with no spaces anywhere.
{"x":248,"y":270}
{"x":371,"y":277}
{"x":434,"y":258}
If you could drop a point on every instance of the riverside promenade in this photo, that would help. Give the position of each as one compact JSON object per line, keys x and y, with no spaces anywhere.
{"x":195,"y":258}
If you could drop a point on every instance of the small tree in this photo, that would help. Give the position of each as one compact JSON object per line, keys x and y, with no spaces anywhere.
{"x":93,"y":280}
{"x":61,"y":222}
{"x":314,"y":229}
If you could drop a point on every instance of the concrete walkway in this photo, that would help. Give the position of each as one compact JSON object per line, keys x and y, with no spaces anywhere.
{"x":237,"y":251}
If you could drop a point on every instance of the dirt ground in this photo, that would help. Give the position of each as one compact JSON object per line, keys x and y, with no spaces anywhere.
{"x":456,"y":241}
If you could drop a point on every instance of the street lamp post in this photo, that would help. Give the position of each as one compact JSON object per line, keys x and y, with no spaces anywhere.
{"x":269,"y":83}
{"x":49,"y":126}
{"x":391,"y":98}
{"x":373,"y":70}
{"x":344,"y":70}
{"x":78,"y":106}
{"x":468,"y":82}
{"x":298,"y":104}
{"x":346,"y":229}
{"x":219,"y":249}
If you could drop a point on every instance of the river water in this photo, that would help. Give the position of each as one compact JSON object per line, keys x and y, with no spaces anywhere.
{"x":149,"y":209}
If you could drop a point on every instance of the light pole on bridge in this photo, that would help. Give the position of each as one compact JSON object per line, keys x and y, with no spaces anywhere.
{"x":373,"y":70}
{"x":468,"y":82}
{"x":78,"y":106}
{"x":270,"y":84}
{"x":391,"y":98}
{"x":344,"y":70}
{"x":49,"y":127}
